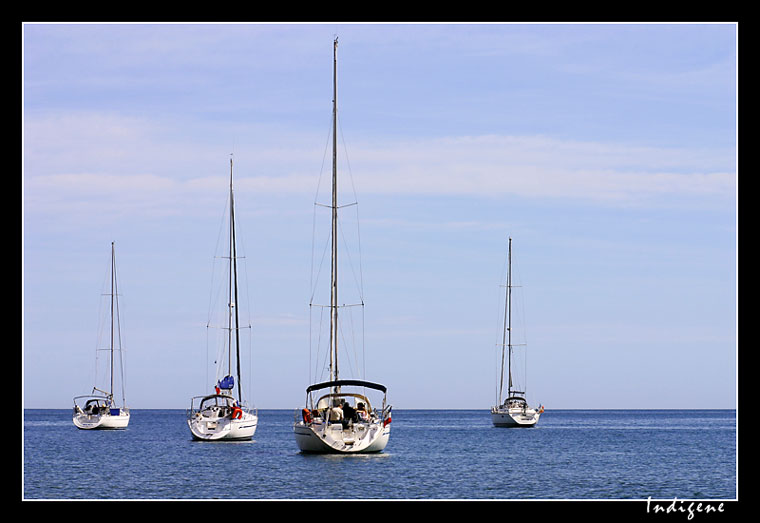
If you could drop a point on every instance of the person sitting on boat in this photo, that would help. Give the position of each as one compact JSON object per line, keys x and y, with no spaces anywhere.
{"x":349,"y":413}
{"x":336,"y":413}
{"x":361,"y":412}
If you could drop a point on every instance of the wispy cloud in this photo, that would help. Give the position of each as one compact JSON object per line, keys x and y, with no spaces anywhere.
{"x":79,"y":160}
{"x":539,"y":167}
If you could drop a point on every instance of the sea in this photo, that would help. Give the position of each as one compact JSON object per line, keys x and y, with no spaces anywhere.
{"x":432,"y":455}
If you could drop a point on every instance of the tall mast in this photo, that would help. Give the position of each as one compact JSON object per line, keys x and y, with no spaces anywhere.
{"x":509,"y":302}
{"x":113,"y":279}
{"x":233,"y":291}
{"x":506,"y":344}
{"x":334,"y":268}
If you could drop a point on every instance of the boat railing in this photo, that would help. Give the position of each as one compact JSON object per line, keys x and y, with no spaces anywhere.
{"x":386,"y":415}
{"x":309,"y":416}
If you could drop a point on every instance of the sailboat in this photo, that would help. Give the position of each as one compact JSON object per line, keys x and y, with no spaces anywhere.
{"x":338,"y":416}
{"x":224,"y":414}
{"x":514,"y":411}
{"x":98,"y":410}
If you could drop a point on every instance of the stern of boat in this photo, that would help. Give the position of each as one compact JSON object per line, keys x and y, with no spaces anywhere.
{"x":97,"y":414}
{"x":316,"y":435}
{"x":220,"y":422}
{"x":335,"y":438}
{"x":514,"y":417}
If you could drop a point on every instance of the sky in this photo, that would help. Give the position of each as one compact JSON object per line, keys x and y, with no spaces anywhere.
{"x":607,"y":152}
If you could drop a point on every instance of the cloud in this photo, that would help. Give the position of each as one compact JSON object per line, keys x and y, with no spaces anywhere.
{"x":540,"y":167}
{"x":79,"y":160}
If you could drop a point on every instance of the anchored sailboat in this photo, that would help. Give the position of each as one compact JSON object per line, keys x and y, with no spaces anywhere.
{"x":514,"y":410}
{"x":98,"y":410}
{"x":224,"y":415}
{"x":338,"y":416}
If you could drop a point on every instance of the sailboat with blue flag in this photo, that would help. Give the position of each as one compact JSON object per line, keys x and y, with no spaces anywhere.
{"x":225,"y":414}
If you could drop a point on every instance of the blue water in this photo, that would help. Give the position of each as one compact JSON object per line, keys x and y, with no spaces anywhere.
{"x":432,"y":454}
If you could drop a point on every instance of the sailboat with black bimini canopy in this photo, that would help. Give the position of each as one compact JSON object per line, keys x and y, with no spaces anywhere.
{"x":340,"y":415}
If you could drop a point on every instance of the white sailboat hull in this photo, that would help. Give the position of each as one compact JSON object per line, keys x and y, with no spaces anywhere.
{"x":333,"y":438}
{"x":514,"y":417}
{"x":217,"y":429}
{"x":102,"y":421}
